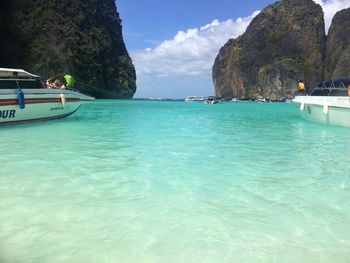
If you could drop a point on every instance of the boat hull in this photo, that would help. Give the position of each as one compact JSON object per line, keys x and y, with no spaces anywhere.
{"x":39,"y":105}
{"x":211,"y":102}
{"x":327,"y":110}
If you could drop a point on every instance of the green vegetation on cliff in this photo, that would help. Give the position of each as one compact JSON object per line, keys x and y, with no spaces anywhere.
{"x":50,"y":37}
{"x":283,"y":44}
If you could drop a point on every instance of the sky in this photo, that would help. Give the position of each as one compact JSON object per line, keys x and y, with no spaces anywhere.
{"x":173,"y":44}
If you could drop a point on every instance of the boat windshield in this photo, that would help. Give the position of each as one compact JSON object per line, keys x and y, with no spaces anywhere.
{"x":337,"y":87}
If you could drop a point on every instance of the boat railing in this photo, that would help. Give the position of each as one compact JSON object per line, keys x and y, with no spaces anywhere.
{"x":24,"y":83}
{"x":338,"y":87}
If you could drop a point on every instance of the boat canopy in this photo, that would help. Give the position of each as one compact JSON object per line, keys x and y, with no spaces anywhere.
{"x":9,"y":72}
{"x":18,"y":78}
{"x":336,"y":87}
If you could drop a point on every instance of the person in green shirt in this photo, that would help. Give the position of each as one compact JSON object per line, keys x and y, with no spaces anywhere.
{"x":69,"y":81}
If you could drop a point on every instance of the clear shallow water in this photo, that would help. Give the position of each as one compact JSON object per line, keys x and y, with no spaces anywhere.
{"x":133,"y":181}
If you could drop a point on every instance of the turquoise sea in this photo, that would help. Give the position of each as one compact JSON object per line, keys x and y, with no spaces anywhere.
{"x":175,"y":182}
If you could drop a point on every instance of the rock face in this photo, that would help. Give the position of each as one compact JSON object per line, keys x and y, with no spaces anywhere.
{"x":337,"y":62}
{"x":83,"y":38}
{"x":284,"y":44}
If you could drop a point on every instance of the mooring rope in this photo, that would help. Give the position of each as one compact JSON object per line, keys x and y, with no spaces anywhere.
{"x":87,"y":87}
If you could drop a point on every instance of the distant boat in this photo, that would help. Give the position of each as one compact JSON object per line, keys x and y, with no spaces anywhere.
{"x":212,"y":100}
{"x":239,"y":100}
{"x":194,"y":99}
{"x":23,"y":98}
{"x":328,"y":103}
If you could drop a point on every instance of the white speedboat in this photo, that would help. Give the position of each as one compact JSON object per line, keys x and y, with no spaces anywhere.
{"x":261,"y":100}
{"x":23,"y":98}
{"x":194,"y":99}
{"x":328,"y":103}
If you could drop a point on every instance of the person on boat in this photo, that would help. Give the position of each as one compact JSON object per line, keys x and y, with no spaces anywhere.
{"x":301,"y":87}
{"x":57,"y":84}
{"x":69,"y":80}
{"x":49,"y":84}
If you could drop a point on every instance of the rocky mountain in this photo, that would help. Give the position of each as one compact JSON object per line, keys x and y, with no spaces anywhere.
{"x":283,"y":44}
{"x":81,"y":37}
{"x":337,"y":58}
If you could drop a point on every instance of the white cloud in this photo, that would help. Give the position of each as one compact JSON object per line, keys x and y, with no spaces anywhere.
{"x":330,"y":8}
{"x":192,"y":52}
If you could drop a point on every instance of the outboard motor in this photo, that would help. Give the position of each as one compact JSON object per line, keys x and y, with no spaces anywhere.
{"x":20,"y":98}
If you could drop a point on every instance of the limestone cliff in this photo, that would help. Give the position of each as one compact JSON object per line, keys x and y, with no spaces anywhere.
{"x":83,"y":37}
{"x":337,"y":62}
{"x":282,"y":45}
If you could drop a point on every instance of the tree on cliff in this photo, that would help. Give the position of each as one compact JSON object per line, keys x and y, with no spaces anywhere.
{"x":84,"y":37}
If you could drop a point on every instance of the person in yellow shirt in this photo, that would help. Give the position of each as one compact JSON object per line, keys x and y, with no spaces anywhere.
{"x":301,"y":87}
